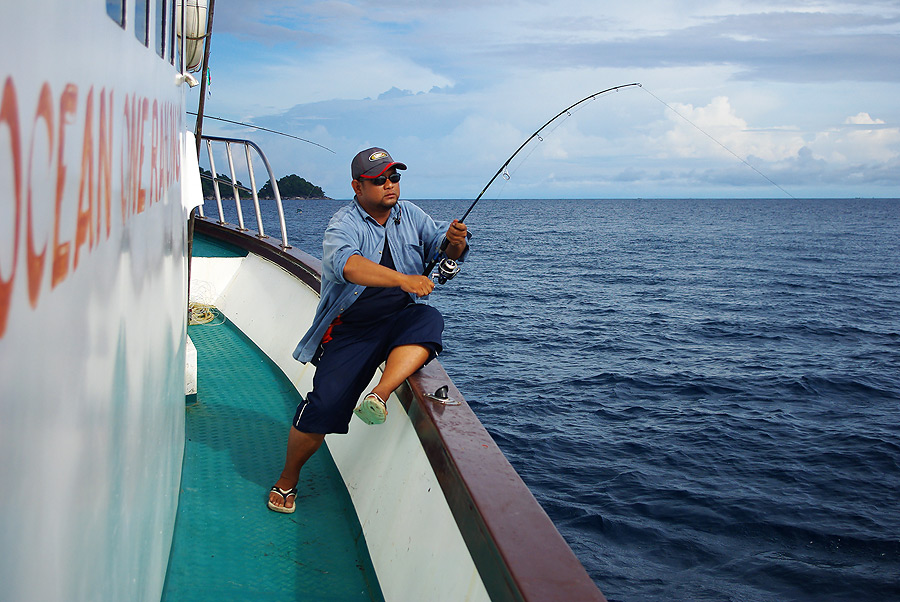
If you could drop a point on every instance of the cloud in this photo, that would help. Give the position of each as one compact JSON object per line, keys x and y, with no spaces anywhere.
{"x":453,"y":151}
{"x":806,"y":95}
{"x":863,"y":119}
{"x":770,"y":46}
{"x":762,"y":41}
{"x":863,"y":140}
{"x":715,"y":129}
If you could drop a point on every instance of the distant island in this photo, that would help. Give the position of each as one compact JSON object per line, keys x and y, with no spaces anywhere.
{"x":290,"y":187}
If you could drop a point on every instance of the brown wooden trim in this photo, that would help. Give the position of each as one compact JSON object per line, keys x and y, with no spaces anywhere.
{"x":518,"y":551}
{"x":516,"y":547}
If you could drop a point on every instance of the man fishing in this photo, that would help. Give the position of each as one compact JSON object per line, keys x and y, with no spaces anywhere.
{"x":370,"y":311}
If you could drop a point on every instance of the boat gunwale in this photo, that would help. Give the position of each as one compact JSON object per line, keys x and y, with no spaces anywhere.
{"x":516,"y":548}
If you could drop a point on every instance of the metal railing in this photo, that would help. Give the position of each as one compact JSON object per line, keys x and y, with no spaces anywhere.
{"x":236,"y":187}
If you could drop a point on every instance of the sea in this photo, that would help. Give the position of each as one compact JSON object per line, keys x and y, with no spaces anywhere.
{"x":703,"y":395}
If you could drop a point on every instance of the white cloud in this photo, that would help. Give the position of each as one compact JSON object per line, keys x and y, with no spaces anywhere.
{"x":856,"y":143}
{"x":703,"y":132}
{"x":773,"y":84}
{"x":348,"y":74}
{"x":863,"y":119}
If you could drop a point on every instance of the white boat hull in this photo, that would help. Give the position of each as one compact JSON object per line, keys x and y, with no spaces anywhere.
{"x":92,"y":305}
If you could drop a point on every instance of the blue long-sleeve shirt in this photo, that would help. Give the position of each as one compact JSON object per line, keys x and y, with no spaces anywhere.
{"x":412,"y":236}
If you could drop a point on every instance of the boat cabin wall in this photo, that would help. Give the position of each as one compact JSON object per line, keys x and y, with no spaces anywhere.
{"x":92,"y":299}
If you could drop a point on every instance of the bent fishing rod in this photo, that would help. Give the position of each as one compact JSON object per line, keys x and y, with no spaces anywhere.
{"x":449,"y":268}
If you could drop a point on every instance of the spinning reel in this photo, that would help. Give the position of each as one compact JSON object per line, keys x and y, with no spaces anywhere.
{"x":446,"y":270}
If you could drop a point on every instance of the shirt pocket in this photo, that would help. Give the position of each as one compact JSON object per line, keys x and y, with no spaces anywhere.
{"x":414,"y":256}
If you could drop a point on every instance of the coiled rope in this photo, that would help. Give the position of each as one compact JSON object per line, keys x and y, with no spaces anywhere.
{"x":202,"y":313}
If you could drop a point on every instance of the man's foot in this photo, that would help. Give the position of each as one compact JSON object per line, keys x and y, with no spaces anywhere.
{"x":283,"y":500}
{"x":372,"y":409}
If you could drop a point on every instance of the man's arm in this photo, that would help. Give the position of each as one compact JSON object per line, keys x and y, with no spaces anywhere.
{"x":360,"y":270}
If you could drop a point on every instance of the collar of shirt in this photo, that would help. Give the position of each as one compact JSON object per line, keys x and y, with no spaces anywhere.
{"x":395,"y":213}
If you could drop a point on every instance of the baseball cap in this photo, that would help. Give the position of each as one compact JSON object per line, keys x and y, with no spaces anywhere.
{"x":372,"y":162}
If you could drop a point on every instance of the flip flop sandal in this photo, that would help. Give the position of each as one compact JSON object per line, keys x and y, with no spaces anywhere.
{"x":284,"y":493}
{"x":372,"y":409}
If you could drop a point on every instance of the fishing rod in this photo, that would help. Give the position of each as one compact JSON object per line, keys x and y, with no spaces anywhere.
{"x":448,"y":267}
{"x":258,"y":127}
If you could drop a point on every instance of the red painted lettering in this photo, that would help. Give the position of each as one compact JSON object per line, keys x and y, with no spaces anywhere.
{"x":154,"y":149}
{"x":104,"y":167}
{"x":83,"y":230}
{"x":36,"y":260}
{"x":9,"y":114}
{"x":126,"y":148}
{"x":150,"y":159}
{"x":141,"y":191}
{"x":67,"y":104}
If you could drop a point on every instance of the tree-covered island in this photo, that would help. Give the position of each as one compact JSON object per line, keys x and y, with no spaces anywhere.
{"x":290,"y":187}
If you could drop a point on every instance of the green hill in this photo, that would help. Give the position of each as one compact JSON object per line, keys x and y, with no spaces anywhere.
{"x":293,"y":187}
{"x":290,"y":187}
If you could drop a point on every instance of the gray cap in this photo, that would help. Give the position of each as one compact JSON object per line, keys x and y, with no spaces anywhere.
{"x":372,"y":162}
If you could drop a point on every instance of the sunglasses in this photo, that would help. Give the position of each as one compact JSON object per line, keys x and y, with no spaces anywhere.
{"x":380,"y":180}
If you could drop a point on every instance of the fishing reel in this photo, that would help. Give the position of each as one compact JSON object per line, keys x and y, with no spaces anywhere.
{"x":446,"y":270}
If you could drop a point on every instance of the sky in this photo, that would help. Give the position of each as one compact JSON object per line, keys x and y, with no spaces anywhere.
{"x":752,"y":99}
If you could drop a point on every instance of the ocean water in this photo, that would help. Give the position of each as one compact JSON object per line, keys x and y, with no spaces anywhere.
{"x":704,"y":395}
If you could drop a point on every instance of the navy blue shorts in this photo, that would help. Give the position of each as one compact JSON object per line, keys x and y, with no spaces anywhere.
{"x":346,"y":363}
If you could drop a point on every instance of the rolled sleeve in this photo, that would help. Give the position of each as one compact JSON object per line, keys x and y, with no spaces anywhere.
{"x":338,"y":245}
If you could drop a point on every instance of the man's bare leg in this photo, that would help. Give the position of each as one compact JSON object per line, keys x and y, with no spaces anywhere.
{"x":401,"y":363}
{"x":300,"y":448}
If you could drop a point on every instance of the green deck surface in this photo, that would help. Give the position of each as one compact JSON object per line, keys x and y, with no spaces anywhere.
{"x":228,"y":545}
{"x":207,"y":247}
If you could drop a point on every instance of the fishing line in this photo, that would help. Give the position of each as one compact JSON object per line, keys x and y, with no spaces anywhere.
{"x":448,"y":268}
{"x":731,"y":152}
{"x":250,"y":125}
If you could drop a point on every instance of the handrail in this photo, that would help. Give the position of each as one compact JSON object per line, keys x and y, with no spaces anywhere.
{"x":247,"y":144}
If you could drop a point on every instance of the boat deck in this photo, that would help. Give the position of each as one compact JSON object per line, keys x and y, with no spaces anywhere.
{"x":228,"y":545}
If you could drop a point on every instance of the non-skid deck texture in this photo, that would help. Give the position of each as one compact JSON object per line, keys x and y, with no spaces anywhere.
{"x":228,"y":545}
{"x":203,"y":246}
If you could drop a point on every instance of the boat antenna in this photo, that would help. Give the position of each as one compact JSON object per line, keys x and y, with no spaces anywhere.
{"x":446,"y":270}
{"x":198,"y":128}
{"x":250,"y":125}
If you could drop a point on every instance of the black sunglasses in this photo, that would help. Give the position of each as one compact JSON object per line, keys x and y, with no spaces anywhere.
{"x":380,"y":180}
